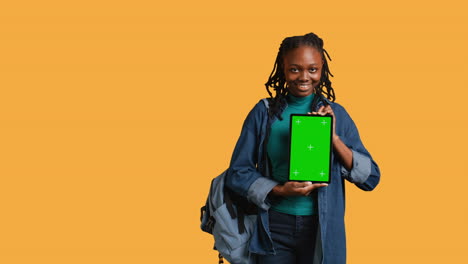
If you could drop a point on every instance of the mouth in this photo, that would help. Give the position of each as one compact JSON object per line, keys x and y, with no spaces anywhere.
{"x":304,"y":86}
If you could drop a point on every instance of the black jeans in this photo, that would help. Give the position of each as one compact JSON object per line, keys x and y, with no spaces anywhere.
{"x":293,"y":239}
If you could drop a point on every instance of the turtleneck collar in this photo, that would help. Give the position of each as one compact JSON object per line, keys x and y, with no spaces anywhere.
{"x":299,"y":101}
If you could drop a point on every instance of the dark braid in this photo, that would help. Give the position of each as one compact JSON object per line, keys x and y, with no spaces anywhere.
{"x":277,"y":80}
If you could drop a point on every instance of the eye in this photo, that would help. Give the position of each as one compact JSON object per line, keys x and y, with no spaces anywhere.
{"x":293,"y":70}
{"x":313,"y":70}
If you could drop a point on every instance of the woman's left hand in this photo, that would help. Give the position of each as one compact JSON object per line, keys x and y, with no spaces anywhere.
{"x":326,"y":110}
{"x":343,"y":152}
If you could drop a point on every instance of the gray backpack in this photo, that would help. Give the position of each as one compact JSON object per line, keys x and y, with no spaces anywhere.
{"x":230,"y":219}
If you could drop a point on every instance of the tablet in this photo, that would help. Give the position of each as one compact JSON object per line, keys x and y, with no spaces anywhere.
{"x":310,"y":148}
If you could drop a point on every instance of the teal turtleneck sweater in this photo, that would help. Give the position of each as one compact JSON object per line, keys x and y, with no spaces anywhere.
{"x":278,"y":153}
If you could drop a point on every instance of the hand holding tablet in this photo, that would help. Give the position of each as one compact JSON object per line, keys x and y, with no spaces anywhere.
{"x":295,"y":188}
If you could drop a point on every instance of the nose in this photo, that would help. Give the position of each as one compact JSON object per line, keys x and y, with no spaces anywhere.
{"x":303,"y":76}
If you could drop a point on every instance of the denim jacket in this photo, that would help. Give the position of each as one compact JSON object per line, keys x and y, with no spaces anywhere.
{"x":250,"y":177}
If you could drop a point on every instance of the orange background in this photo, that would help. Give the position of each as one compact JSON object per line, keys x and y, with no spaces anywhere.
{"x":115,"y":116}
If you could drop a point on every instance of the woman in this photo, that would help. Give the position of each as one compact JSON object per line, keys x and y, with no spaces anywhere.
{"x":299,"y":222}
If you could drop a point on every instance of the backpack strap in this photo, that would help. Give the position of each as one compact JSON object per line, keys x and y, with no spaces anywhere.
{"x":238,"y":212}
{"x":266,"y":101}
{"x":240,"y":220}
{"x":229,"y":205}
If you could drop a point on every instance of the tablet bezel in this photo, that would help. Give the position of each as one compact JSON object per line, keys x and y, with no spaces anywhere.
{"x":331,"y":147}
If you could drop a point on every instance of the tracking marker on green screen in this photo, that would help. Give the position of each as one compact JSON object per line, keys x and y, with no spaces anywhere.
{"x":310,"y":148}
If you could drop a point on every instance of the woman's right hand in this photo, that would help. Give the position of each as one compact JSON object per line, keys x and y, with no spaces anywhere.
{"x":293,"y":188}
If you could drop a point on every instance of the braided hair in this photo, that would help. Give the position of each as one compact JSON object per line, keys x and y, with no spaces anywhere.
{"x":277,"y":80}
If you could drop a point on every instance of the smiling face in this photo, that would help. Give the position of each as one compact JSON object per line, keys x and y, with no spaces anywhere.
{"x":302,"y":70}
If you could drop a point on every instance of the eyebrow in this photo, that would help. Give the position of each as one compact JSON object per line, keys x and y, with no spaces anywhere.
{"x":313,"y":64}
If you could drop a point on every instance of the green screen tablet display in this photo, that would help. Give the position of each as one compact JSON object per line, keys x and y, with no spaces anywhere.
{"x":310,"y":148}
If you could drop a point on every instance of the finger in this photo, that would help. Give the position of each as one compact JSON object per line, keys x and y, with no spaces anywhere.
{"x":303,"y":184}
{"x":328,"y":111}
{"x":321,"y":109}
{"x":315,"y":186}
{"x":293,"y":184}
{"x":318,"y":185}
{"x":304,"y":191}
{"x":308,"y":189}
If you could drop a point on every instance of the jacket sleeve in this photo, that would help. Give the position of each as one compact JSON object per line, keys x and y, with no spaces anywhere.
{"x":365,"y":172}
{"x":244,"y":177}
